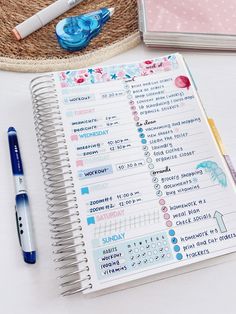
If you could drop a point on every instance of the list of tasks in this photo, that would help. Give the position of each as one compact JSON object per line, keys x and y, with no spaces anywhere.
{"x":153,"y":190}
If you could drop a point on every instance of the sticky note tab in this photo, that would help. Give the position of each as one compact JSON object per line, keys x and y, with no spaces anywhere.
{"x":91,"y":220}
{"x":74,"y":137}
{"x":95,"y":172}
{"x":79,"y":163}
{"x":84,"y":190}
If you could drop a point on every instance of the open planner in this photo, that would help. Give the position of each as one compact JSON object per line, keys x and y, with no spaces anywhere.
{"x":136,"y":184}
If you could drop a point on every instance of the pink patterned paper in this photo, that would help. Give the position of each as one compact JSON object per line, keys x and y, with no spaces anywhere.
{"x":191,"y":16}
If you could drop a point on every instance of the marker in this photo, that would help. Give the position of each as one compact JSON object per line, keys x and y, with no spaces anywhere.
{"x":23,"y":218}
{"x":222,"y":148}
{"x":43,"y":17}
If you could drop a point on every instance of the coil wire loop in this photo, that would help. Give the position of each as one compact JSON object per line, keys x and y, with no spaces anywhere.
{"x":64,"y":219}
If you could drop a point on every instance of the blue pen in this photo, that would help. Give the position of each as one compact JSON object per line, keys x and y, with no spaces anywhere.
{"x":23,"y":218}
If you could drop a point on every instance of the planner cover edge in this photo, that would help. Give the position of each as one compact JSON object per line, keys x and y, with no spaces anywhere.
{"x":216,"y":38}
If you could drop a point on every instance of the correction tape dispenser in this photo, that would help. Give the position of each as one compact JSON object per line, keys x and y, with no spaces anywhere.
{"x":74,"y":33}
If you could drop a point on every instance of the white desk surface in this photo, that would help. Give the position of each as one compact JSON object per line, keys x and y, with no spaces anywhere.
{"x":33,"y":288}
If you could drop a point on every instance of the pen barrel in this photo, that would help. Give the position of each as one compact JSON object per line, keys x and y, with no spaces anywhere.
{"x":43,"y":17}
{"x":24,"y":223}
{"x":16,"y":163}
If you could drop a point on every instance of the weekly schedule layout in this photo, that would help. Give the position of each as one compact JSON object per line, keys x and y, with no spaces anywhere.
{"x":153,"y":191}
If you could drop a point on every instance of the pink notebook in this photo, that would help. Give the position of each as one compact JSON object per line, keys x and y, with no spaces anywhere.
{"x":189,"y":17}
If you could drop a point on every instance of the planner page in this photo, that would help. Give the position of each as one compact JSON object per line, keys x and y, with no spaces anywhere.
{"x":153,"y":191}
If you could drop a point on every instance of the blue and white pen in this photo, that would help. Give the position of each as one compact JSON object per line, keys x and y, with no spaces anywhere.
{"x":23,"y":218}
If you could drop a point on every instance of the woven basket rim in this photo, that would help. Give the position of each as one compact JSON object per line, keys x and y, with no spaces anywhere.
{"x":55,"y":64}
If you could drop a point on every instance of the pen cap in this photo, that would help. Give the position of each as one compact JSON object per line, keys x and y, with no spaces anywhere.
{"x":27,"y":27}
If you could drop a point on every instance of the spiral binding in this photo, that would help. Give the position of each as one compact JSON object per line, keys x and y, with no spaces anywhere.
{"x":66,"y":229}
